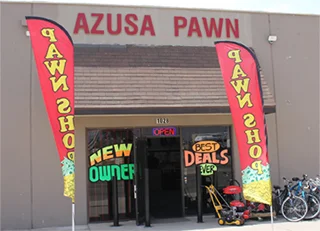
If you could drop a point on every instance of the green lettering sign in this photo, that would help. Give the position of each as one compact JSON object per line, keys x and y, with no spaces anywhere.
{"x":106,"y":173}
{"x":207,"y":169}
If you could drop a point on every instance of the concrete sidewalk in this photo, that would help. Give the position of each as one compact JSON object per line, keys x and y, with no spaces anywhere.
{"x":190,"y":224}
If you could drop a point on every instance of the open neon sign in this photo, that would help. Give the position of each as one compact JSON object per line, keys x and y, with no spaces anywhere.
{"x":164,"y":131}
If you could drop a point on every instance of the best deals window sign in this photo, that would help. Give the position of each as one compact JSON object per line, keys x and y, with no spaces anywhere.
{"x":208,"y":155}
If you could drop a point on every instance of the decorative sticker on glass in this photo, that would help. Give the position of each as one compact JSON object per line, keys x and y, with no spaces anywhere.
{"x":99,"y":172}
{"x":207,"y":154}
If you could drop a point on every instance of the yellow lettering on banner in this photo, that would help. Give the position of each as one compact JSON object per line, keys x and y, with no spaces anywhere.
{"x":256,"y":165}
{"x":249,"y":120}
{"x":235,"y":54}
{"x":56,"y":65}
{"x":242,"y":84}
{"x":70,"y":155}
{"x":49,"y":33}
{"x":53,"y":52}
{"x":58,"y":82}
{"x":238,"y":72}
{"x":253,"y":134}
{"x":255,"y":151}
{"x":68,"y":140}
{"x":66,"y":121}
{"x":63,"y":105}
{"x":245,"y":100}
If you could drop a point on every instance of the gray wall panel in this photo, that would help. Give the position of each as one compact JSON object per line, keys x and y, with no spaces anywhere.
{"x":15,"y":119}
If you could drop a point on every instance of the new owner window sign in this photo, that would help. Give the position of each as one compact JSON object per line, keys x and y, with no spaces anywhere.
{"x":98,"y":172}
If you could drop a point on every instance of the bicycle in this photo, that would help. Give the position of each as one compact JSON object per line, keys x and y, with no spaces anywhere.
{"x":310,"y":198}
{"x":315,"y":186}
{"x":286,"y":203}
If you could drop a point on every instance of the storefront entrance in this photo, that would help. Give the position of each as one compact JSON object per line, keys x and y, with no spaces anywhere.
{"x":154,"y":170}
{"x":164,"y":164}
{"x":158,"y":178}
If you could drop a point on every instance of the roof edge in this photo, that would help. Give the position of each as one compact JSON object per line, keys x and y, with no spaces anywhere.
{"x":162,"y":110}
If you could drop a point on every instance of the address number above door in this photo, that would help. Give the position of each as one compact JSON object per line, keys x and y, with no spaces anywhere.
{"x":162,"y":120}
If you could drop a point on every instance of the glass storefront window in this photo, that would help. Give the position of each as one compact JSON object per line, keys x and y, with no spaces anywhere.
{"x":221,"y":157}
{"x":106,"y":145}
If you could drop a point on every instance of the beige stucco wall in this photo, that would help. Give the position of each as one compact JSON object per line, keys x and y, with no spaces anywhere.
{"x":295,"y":58}
{"x":31,"y":180}
{"x":16,"y":190}
{"x":291,"y":68}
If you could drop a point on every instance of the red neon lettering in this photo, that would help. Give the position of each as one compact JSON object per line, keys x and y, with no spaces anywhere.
{"x":163,"y":131}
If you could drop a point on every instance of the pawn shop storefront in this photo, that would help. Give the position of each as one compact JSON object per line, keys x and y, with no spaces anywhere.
{"x":157,"y":168}
{"x":150,"y":127}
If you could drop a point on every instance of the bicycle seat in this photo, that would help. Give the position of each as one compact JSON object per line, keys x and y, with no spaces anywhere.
{"x":295,"y":178}
{"x":276,"y":187}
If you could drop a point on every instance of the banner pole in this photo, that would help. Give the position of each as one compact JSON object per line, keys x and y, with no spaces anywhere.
{"x":73,"y":216}
{"x":271,"y":214}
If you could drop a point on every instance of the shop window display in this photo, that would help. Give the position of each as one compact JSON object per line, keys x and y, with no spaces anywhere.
{"x":109,"y":152}
{"x":201,"y":145}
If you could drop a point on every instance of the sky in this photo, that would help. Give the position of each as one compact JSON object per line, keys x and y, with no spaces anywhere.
{"x":282,"y":6}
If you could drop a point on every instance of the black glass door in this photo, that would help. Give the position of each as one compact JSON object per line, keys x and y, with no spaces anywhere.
{"x":164,"y":164}
{"x":140,"y":187}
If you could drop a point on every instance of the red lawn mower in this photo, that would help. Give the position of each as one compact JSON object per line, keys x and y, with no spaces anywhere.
{"x":233,"y":197}
{"x":233,"y":194}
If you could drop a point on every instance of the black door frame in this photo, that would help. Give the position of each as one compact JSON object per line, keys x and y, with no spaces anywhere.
{"x":139,"y":179}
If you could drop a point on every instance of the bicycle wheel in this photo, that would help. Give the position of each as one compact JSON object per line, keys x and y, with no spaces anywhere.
{"x":313,"y":206}
{"x":295,"y":206}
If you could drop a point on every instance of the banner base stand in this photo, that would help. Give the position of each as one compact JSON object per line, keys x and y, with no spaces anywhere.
{"x":271,"y":217}
{"x":73,"y":217}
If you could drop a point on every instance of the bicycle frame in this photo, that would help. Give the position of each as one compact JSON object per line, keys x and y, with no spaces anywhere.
{"x":282,"y":195}
{"x":297,"y":188}
{"x":287,"y":192}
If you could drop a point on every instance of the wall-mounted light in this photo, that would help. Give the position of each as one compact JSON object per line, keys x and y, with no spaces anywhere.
{"x":24,"y":24}
{"x":272,"y":39}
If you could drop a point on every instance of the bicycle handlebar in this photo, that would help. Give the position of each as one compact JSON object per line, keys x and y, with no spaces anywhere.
{"x":310,"y":182}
